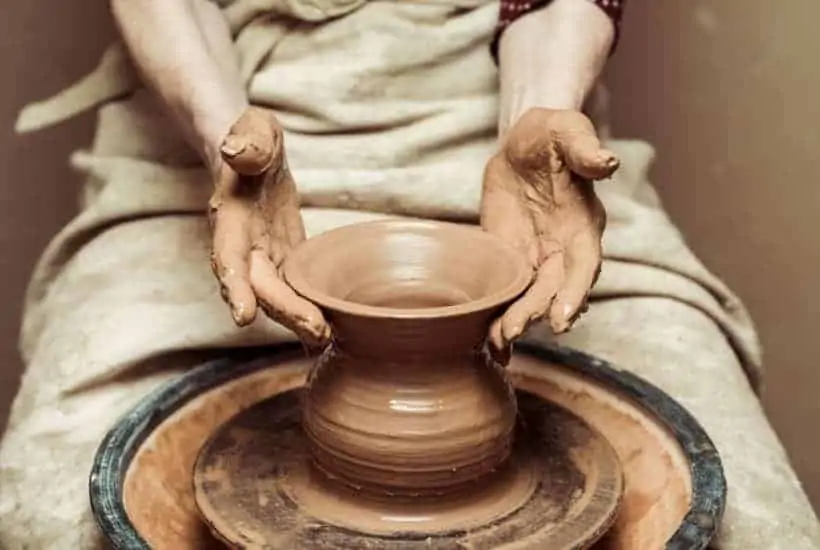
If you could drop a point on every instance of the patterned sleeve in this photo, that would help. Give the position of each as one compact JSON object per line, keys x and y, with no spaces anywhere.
{"x":510,"y":10}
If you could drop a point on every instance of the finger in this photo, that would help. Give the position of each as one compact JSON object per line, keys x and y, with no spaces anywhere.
{"x":229,"y":261}
{"x":532,"y":306}
{"x":500,"y":350}
{"x":581,"y":149}
{"x":582,"y":264}
{"x":283,"y":305}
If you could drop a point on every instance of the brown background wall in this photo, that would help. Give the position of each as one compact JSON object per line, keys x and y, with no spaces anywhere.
{"x":727,"y":91}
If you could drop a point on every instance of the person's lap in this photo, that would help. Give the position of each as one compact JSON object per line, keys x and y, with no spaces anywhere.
{"x":74,"y":389}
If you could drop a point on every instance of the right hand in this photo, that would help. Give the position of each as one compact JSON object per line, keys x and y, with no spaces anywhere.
{"x":255,"y":219}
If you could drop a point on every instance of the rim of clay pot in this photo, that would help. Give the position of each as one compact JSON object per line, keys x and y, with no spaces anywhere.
{"x":490,"y":245}
{"x":119,"y":446}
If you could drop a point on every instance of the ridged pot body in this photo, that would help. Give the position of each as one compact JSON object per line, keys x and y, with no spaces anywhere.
{"x":409,"y":406}
{"x":404,"y":401}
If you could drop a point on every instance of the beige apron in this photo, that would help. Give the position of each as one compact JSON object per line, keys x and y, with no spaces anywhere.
{"x":390,"y":108}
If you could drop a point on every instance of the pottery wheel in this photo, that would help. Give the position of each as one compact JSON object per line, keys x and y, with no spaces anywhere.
{"x":255,"y":489}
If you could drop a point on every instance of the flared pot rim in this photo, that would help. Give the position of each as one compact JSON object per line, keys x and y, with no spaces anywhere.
{"x":296,"y":279}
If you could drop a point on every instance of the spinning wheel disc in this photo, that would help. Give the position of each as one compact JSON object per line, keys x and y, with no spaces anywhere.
{"x":254,"y":488}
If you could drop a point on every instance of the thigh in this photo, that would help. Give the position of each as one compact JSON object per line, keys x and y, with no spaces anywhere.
{"x":683,"y":352}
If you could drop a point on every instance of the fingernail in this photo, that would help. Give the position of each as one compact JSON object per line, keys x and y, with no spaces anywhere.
{"x":569,"y":319}
{"x":564,"y":322}
{"x":611,"y":161}
{"x":238,"y":313}
{"x":511,"y":334}
{"x":318,"y":333}
{"x":231,"y":148}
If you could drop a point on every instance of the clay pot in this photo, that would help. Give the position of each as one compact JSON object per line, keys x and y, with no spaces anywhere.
{"x":405,"y":400}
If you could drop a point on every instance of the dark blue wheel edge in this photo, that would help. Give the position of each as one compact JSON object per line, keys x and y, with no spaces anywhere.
{"x":118,"y":447}
{"x":120,"y":444}
{"x":708,"y":480}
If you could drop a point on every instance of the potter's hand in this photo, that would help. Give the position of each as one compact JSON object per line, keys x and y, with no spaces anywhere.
{"x":538,"y":197}
{"x":254,"y":214}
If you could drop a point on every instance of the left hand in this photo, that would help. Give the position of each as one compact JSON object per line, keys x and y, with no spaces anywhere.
{"x":538,"y":197}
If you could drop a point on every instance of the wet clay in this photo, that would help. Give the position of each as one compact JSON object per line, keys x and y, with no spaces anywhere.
{"x":562,"y":493}
{"x":498,"y":496}
{"x":429,"y":426}
{"x":404,"y":403}
{"x":158,"y":492}
{"x":538,"y":197}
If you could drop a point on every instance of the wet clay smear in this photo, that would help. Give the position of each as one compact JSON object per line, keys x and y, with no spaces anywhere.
{"x":245,"y":474}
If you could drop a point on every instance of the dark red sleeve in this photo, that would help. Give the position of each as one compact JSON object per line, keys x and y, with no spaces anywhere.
{"x":510,"y":10}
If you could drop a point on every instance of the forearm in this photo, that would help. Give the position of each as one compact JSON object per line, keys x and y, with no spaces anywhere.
{"x":552,"y":58}
{"x":183,"y":50}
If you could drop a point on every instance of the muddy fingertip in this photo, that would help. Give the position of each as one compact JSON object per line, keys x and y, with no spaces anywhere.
{"x":232,"y":147}
{"x":498,"y":347}
{"x":317,"y":331}
{"x":512,"y":330}
{"x":243,"y":314}
{"x":563,"y":316}
{"x":609,"y":162}
{"x":248,"y":155}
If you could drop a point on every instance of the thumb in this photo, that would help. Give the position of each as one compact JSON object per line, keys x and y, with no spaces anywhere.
{"x":248,"y":155}
{"x":581,"y":149}
{"x":249,"y":146}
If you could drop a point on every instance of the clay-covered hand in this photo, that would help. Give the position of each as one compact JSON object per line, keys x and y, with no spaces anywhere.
{"x":538,"y":196}
{"x":255,"y":218}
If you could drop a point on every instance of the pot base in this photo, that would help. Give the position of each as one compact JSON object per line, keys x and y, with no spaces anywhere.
{"x":384,"y":516}
{"x":254,"y":485}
